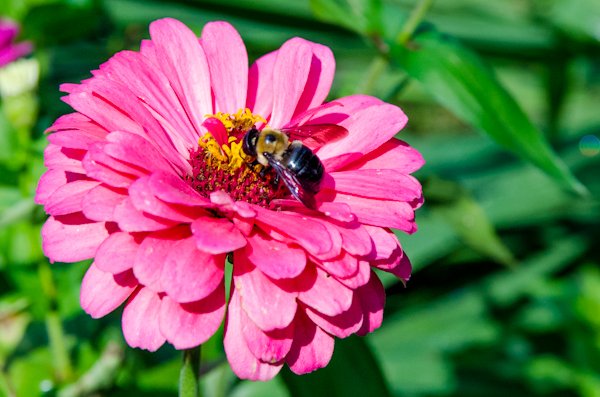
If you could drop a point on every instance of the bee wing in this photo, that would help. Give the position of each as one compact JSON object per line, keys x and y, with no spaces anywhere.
{"x":292,"y":182}
{"x":316,"y":135}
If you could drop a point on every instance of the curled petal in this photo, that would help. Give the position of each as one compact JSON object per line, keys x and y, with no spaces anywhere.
{"x":217,"y":235}
{"x":345,"y":265}
{"x":130,"y":219}
{"x":72,"y":238}
{"x":384,"y":242}
{"x":144,"y":200}
{"x":100,"y":202}
{"x":117,"y":253}
{"x":275,"y":259}
{"x":186,"y":325}
{"x":189,"y":274}
{"x":66,"y":159}
{"x":102,"y":292}
{"x":51,"y":180}
{"x":372,"y":301}
{"x":243,"y":363}
{"x":312,"y":348}
{"x":309,"y":233}
{"x":141,"y":322}
{"x":174,"y":190}
{"x":384,"y":213}
{"x":267,"y":304}
{"x":68,"y":198}
{"x":152,"y":255}
{"x":217,"y":130}
{"x":325,"y":294}
{"x":398,"y":264}
{"x":358,"y":279}
{"x":269,"y":347}
{"x":342,"y":325}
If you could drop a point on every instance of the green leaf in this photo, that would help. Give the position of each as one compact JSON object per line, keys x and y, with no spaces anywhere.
{"x":457,"y":78}
{"x":32,"y":374}
{"x":361,"y":16}
{"x":504,"y":289}
{"x":469,"y":220}
{"x":576,"y":18}
{"x":413,"y":346}
{"x":353,"y":371}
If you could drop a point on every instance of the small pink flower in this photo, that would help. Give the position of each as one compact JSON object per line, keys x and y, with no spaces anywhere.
{"x":10,"y":51}
{"x":136,"y":182}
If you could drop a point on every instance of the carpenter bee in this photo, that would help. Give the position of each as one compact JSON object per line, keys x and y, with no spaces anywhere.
{"x":289,"y":151}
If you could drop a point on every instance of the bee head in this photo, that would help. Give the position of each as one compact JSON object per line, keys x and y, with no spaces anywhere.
{"x":250,"y":140}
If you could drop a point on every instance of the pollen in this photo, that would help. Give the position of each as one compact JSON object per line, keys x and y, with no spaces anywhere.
{"x":240,"y":122}
{"x":225,"y":167}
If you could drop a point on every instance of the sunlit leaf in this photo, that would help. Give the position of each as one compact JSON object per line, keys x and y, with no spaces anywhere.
{"x":362,"y":16}
{"x":469,"y":220}
{"x":457,"y":78}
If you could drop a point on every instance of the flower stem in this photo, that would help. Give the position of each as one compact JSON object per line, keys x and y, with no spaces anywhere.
{"x":189,"y":376}
{"x":376,"y":69}
{"x":415,"y":18}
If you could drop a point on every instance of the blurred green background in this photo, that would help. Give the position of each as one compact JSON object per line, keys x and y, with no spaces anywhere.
{"x":504,"y":103}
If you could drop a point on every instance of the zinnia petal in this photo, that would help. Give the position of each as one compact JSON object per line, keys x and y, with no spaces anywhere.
{"x":228,"y":64}
{"x":153,"y":177}
{"x":243,"y":363}
{"x":141,"y":322}
{"x":103,"y":292}
{"x":186,"y":325}
{"x":189,"y":274}
{"x":62,"y":240}
{"x":269,"y":306}
{"x":312,"y":348}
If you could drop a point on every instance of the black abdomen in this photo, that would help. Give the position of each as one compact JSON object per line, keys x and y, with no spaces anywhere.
{"x":307,"y":167}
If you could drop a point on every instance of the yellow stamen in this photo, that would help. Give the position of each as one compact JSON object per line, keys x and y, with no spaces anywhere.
{"x":230,"y":156}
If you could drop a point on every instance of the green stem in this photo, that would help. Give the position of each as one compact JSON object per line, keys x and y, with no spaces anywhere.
{"x":189,"y":376}
{"x":413,"y":22}
{"x":377,"y":67}
{"x":56,"y":333}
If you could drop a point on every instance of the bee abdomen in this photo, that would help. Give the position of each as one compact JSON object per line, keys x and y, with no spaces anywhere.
{"x":307,"y":167}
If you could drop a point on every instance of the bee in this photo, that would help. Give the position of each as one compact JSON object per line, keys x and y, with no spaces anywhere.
{"x":290,"y":152}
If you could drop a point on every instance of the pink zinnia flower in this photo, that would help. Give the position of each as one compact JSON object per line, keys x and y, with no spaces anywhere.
{"x":148,"y":179}
{"x":10,"y":51}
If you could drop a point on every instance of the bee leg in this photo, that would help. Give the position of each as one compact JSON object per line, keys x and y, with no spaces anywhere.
{"x":263,"y":172}
{"x":276,"y":180}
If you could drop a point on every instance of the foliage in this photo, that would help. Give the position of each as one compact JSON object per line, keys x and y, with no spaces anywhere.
{"x":506,"y":290}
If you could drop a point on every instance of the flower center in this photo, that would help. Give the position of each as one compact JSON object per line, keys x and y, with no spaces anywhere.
{"x":224,"y":167}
